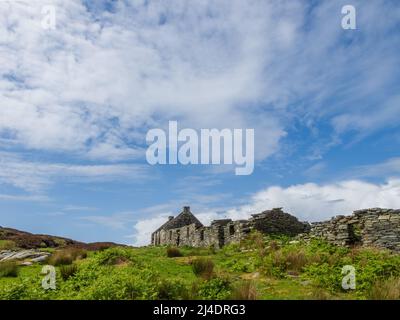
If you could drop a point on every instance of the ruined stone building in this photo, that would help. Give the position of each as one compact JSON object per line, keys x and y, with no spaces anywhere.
{"x":369,"y":228}
{"x":374,"y":227}
{"x":187,"y":230}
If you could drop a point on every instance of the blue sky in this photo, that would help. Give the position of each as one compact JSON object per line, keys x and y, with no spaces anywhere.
{"x":76,"y":103}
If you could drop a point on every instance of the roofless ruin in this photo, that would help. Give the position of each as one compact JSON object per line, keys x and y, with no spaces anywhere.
{"x":374,"y":227}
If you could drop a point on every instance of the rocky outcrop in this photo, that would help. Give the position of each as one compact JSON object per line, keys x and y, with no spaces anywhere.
{"x":27,"y":256}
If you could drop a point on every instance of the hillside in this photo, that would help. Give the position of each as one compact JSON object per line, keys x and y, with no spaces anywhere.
{"x":258,"y":268}
{"x":12,"y":239}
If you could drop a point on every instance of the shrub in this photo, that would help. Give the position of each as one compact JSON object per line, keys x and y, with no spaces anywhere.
{"x":203,"y":267}
{"x":291,"y":258}
{"x":296,"y":260}
{"x":114,"y":256}
{"x":8,"y":269}
{"x":214,"y":289}
{"x":325,"y":275}
{"x":173,"y":252}
{"x":274,"y":265}
{"x":245,"y":290}
{"x":60,"y":242}
{"x":77,"y":253}
{"x":255,"y":240}
{"x":120,"y":284}
{"x":60,"y":258}
{"x":273,"y":245}
{"x":68,"y":271}
{"x":240,"y":264}
{"x":172,"y":290}
{"x":66,"y":256}
{"x":385,"y":290}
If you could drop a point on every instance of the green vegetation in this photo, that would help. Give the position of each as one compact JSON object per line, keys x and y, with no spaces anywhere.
{"x":66,"y":256}
{"x":385,"y":290}
{"x":258,"y":268}
{"x":203,"y":267}
{"x":68,"y":271}
{"x":173,"y":252}
{"x":8,"y":269}
{"x":7,"y":245}
{"x":245,"y":290}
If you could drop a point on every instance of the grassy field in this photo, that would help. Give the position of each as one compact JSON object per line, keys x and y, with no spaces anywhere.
{"x":259,"y":268}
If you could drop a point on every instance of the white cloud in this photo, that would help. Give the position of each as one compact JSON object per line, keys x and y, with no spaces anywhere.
{"x":388,"y":168}
{"x":114,"y":221}
{"x":314,"y":202}
{"x":144,"y":228}
{"x":97,"y":82}
{"x":79,"y":208}
{"x":38,"y":176}
{"x":374,"y":118}
{"x":70,"y":86}
{"x":24,"y":198}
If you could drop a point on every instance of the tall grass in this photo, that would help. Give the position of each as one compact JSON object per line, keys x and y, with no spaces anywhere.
{"x":385,"y":290}
{"x":8,"y":269}
{"x":296,"y":260}
{"x":203,"y":267}
{"x":68,"y":271}
{"x":245,"y":290}
{"x":66,"y":256}
{"x":7,"y":245}
{"x":320,"y":294}
{"x":173,"y":252}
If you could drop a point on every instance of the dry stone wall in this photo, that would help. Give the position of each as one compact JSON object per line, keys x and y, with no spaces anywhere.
{"x":374,"y":227}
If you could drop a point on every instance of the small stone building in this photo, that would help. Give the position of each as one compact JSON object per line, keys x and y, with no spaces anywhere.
{"x":187,"y":230}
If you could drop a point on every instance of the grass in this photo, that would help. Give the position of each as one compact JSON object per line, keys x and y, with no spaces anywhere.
{"x":7,"y":245}
{"x":385,"y":290}
{"x":173,"y":252}
{"x":203,"y":267}
{"x":66,"y":256}
{"x":260,"y":268}
{"x":246,"y":290}
{"x":8,"y":269}
{"x":68,"y":271}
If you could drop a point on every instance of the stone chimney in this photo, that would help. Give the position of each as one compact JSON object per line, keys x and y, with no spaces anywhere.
{"x":170,"y":218}
{"x":186,"y":209}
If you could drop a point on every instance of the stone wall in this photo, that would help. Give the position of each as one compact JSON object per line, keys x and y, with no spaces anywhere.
{"x":374,"y":227}
{"x":235,"y":231}
{"x":226,"y":231}
{"x":276,"y":221}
